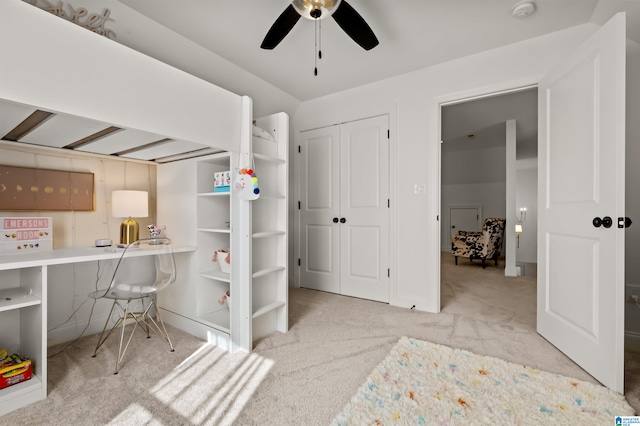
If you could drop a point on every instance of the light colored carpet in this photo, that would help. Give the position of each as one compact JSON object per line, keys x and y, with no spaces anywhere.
{"x":305,"y":376}
{"x":424,"y":383}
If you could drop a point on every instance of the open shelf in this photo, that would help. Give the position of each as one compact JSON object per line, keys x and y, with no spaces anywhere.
{"x":268,"y":234}
{"x":16,"y":298}
{"x":269,"y":158}
{"x":213,"y":194}
{"x":34,"y":384}
{"x":221,"y":230}
{"x":218,"y":319}
{"x":215,"y":274}
{"x":268,"y":308}
{"x":267,"y":271}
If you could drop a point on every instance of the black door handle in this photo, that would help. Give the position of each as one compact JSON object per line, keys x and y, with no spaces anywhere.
{"x":597,"y":222}
{"x":343,"y":220}
{"x":335,"y":220}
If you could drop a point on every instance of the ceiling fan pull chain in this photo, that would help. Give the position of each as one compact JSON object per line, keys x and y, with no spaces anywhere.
{"x":316,"y":48}
{"x":319,"y":39}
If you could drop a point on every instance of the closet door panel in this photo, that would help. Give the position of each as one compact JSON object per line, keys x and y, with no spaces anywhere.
{"x":319,"y":234}
{"x":364,"y":173}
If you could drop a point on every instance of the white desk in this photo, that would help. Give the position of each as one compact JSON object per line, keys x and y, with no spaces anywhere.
{"x":23,"y":310}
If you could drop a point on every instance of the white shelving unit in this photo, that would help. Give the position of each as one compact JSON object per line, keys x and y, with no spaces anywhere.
{"x":269,"y":226}
{"x":255,"y":232}
{"x":214,"y":213}
{"x":22,"y":297}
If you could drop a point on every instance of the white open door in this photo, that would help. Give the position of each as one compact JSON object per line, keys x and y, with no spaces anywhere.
{"x":581,"y":155}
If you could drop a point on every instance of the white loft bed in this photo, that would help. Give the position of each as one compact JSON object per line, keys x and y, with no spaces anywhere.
{"x":50,"y":64}
{"x":85,"y":79}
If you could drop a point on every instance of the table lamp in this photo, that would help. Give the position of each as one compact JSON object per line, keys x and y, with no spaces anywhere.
{"x":127,"y":203}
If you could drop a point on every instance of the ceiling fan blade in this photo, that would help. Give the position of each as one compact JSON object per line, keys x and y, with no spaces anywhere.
{"x":355,"y":26}
{"x":280,"y":28}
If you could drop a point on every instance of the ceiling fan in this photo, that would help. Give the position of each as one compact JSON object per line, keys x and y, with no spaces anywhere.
{"x":342,"y":12}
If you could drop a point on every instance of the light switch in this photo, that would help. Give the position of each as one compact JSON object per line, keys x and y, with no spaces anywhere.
{"x":419,"y":189}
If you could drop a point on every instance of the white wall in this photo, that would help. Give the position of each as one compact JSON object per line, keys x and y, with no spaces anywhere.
{"x":527,"y":197}
{"x":510,"y":202}
{"x":413,"y":102}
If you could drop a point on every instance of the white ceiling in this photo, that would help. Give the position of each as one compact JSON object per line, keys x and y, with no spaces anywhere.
{"x":413,"y":34}
{"x":485,"y":119}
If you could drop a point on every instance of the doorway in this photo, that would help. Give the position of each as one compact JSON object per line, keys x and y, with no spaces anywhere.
{"x":465,"y":218}
{"x":474,"y":173}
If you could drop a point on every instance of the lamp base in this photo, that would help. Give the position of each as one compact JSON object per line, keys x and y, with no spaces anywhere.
{"x":129,"y":231}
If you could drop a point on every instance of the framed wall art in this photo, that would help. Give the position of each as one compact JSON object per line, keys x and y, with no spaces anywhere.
{"x":29,"y":189}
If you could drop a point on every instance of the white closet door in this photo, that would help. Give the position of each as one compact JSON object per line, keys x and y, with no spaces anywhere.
{"x":364,"y":208}
{"x":344,"y":211}
{"x":319,"y":205}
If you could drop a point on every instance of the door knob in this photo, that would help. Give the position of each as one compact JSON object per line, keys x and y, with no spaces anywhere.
{"x":343,"y":220}
{"x":605,"y":221}
{"x":335,"y":220}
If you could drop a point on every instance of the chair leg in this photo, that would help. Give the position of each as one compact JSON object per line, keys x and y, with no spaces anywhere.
{"x":102,"y":338}
{"x":484,"y":264}
{"x":456,"y":258}
{"x":142,"y":319}
{"x":163,"y":333}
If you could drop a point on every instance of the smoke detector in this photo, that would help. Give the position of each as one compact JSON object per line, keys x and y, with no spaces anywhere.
{"x":523,"y":9}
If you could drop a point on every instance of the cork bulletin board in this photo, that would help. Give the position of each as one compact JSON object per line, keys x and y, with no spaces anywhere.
{"x":29,"y":189}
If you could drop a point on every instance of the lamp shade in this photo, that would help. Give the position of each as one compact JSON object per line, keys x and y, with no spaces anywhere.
{"x":127,"y":203}
{"x":518,"y":228}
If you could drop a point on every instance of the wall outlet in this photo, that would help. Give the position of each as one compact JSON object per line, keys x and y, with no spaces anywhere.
{"x":419,"y":189}
{"x":632,"y":293}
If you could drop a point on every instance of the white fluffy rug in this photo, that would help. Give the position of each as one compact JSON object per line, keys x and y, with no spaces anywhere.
{"x":425,"y":383}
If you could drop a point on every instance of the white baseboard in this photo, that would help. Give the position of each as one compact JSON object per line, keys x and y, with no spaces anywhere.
{"x":72,"y":331}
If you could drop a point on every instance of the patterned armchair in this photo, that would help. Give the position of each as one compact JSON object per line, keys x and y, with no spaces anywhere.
{"x":480,"y":245}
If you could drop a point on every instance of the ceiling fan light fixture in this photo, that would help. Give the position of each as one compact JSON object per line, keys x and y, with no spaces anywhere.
{"x":523,"y":9}
{"x":315,"y":9}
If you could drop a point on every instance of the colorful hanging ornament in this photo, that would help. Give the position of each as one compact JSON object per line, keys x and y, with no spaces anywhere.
{"x":247,"y":184}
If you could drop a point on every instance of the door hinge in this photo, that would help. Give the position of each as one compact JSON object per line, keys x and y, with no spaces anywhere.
{"x":388,"y":273}
{"x":299,"y":148}
{"x":298,"y":205}
{"x":388,"y":203}
{"x":298,"y":261}
{"x":388,"y":134}
{"x":438,"y":218}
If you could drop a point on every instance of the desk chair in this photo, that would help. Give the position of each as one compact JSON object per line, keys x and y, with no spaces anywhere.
{"x":134,"y":289}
